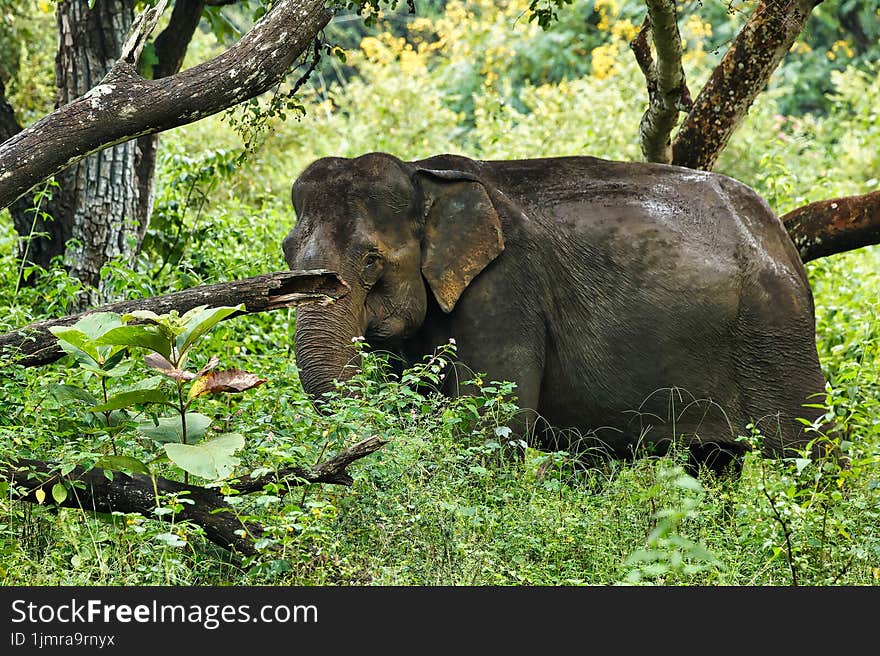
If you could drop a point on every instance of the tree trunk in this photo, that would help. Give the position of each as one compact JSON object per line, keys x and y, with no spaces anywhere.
{"x":834,"y":226}
{"x":742,"y":74}
{"x":124,"y":105}
{"x":170,"y":49}
{"x":667,"y":89}
{"x":97,"y":199}
{"x":9,"y":126}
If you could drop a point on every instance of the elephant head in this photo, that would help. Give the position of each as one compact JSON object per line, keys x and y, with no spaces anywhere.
{"x":392,"y":230}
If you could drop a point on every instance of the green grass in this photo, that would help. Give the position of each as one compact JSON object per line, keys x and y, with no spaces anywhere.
{"x":443,"y":504}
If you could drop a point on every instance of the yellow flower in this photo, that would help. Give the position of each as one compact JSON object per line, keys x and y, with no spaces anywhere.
{"x":624,"y":29}
{"x":844,"y":46}
{"x":604,"y":60}
{"x":697,"y":28}
{"x":608,"y":11}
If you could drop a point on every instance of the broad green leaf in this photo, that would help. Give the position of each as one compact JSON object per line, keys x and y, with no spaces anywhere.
{"x":123,"y":464}
{"x":149,"y":337}
{"x":199,"y":321}
{"x":40,"y":494}
{"x":801,"y":464}
{"x":76,"y":342}
{"x":59,"y":492}
{"x":230,"y":381}
{"x":119,"y":370}
{"x":152,"y":382}
{"x":96,"y":324}
{"x":171,"y":539}
{"x":213,"y":459}
{"x":169,"y":428}
{"x":131,"y":397}
{"x":115,"y":357}
{"x":62,"y":393}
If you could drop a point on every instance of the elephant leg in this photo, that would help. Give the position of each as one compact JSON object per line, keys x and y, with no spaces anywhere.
{"x":720,"y":459}
{"x":480,"y":364}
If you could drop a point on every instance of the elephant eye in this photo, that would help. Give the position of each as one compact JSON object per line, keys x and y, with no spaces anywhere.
{"x":372,"y":259}
{"x":373,"y":264}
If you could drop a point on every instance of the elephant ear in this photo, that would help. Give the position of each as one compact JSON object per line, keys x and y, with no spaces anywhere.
{"x":462,"y":232}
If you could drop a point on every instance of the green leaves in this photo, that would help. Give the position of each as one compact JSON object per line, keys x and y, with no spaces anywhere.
{"x":123,"y":464}
{"x":213,"y":459}
{"x":130,"y":398}
{"x":99,"y":343}
{"x":150,"y":337}
{"x":170,"y":429}
{"x":198,"y":321}
{"x":81,"y":339}
{"x":59,"y":493}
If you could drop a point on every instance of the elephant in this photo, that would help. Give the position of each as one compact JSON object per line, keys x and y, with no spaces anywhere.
{"x":631,"y":303}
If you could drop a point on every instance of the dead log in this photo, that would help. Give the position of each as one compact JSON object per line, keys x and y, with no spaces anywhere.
{"x":34,"y":345}
{"x":93,"y":490}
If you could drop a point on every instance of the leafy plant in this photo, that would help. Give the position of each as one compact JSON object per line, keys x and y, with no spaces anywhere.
{"x":99,"y":343}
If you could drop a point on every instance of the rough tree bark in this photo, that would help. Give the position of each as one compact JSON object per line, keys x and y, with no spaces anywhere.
{"x":9,"y":126}
{"x":93,"y":491}
{"x":34,"y":345}
{"x":741,"y":75}
{"x":96,"y":201}
{"x":667,"y":90}
{"x":834,"y":226}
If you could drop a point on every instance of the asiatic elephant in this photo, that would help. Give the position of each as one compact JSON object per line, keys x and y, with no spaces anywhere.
{"x":630,"y":302}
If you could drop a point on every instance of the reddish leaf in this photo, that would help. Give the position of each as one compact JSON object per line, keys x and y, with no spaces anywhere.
{"x":159,"y":363}
{"x":230,"y":381}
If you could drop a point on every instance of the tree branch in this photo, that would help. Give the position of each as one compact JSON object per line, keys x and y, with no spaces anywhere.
{"x":141,"y":29}
{"x":834,"y":226}
{"x":170,"y":49}
{"x":92,"y":490}
{"x":741,"y":75}
{"x":125,"y":105}
{"x":34,"y":345}
{"x":9,"y":125}
{"x":171,"y":44}
{"x":667,"y":90}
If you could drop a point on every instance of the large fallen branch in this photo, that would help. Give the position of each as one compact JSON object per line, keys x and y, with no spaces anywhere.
{"x":834,"y":226}
{"x":125,"y":105}
{"x":92,"y":490}
{"x":34,"y":345}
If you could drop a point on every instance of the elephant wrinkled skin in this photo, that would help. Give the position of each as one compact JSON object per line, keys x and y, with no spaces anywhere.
{"x":630,"y":302}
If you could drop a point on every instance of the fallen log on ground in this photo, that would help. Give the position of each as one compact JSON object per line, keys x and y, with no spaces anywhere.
{"x":92,"y":490}
{"x":34,"y":345}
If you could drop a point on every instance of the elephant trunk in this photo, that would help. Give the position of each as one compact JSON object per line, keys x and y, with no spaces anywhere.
{"x":324,"y":345}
